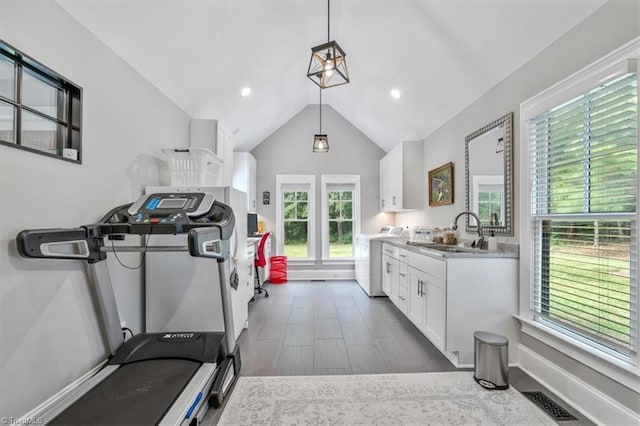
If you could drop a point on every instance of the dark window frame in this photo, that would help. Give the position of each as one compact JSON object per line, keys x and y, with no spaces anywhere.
{"x":71,"y":94}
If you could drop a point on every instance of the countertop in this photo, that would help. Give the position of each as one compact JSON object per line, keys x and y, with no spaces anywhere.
{"x":504,"y":250}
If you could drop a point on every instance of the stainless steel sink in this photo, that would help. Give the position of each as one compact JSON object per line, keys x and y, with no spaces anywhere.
{"x":446,"y":248}
{"x":454,"y":249}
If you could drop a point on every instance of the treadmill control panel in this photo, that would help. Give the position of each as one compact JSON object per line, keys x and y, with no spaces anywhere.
{"x":170,"y":207}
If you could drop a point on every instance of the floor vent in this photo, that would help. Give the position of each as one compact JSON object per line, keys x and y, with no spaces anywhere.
{"x":549,"y":406}
{"x":318,"y":281}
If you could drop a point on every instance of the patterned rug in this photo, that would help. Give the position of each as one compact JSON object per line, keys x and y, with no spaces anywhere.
{"x":452,"y":398}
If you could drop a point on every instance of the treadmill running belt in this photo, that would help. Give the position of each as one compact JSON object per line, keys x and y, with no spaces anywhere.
{"x":139,"y":393}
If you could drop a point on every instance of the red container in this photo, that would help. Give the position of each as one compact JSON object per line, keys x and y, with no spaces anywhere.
{"x":278,"y":274}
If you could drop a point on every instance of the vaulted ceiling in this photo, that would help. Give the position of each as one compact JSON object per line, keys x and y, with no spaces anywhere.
{"x":441,"y":55}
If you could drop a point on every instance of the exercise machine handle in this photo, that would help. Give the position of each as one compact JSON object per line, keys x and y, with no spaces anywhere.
{"x":60,"y":243}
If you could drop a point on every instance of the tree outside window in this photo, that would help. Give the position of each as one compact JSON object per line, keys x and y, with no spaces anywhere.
{"x":296,"y":224}
{"x":340,"y":208}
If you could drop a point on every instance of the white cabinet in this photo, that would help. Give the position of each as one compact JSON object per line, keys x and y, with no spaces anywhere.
{"x":395,"y":278}
{"x":417,"y":304}
{"x":402,"y":184}
{"x":209,"y":134}
{"x":390,"y":276}
{"x":244,"y":177}
{"x":428,"y":310}
{"x":384,"y":184}
{"x":448,"y":298}
{"x":247,"y":274}
{"x":435,"y":315}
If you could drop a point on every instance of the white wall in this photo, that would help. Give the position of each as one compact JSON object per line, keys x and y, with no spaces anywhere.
{"x":607,"y":29}
{"x":48,"y":329}
{"x":289,"y":151}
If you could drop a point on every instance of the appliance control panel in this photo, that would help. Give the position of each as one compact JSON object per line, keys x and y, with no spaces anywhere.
{"x":170,"y":207}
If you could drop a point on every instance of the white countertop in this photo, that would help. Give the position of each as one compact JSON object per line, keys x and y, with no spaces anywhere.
{"x":504,"y":250}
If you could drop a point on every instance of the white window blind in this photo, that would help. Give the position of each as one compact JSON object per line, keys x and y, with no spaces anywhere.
{"x":584,"y":186}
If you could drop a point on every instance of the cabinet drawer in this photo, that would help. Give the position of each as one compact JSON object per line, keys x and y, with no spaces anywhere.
{"x":427,"y":264}
{"x":391,"y":250}
{"x":403,"y":255}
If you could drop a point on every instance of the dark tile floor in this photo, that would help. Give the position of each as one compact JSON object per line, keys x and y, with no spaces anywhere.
{"x":333,"y":327}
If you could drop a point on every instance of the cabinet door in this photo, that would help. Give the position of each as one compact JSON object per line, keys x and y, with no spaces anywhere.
{"x":435,"y":318}
{"x":385,"y":205}
{"x":417,"y":304}
{"x":394,"y":277}
{"x":251,"y":192}
{"x":387,"y":271}
{"x":395,"y":174}
{"x":250,"y":271}
{"x":244,"y":178}
{"x":403,"y":298}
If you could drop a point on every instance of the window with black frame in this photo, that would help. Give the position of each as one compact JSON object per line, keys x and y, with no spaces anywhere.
{"x":40,"y":110}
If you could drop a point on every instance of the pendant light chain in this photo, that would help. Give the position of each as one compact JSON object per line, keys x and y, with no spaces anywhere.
{"x":328,"y":19}
{"x":320,"y":110}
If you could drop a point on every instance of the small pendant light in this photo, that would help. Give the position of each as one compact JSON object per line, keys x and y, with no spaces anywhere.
{"x":320,"y":141}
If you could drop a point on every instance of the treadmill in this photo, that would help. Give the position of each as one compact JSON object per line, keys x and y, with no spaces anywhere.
{"x":152,"y":378}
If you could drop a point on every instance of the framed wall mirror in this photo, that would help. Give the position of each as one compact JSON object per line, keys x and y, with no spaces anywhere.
{"x":489,"y":177}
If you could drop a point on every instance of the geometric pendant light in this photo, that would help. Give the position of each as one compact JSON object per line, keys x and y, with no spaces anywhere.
{"x":328,"y":64}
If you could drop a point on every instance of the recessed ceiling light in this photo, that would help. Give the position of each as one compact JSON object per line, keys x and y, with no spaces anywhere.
{"x":395,"y":93}
{"x":245,"y":91}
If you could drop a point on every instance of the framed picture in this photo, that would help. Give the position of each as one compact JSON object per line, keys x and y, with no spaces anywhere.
{"x":441,"y":185}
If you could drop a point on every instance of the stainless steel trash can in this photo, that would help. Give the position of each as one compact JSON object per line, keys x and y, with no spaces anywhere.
{"x":491,"y":360}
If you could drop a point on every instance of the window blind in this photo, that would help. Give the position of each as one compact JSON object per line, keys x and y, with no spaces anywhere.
{"x":584,"y":186}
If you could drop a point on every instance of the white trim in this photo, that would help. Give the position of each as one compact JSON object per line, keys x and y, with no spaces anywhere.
{"x":348,"y":261}
{"x":614,"y":64}
{"x":309,"y":181}
{"x":321,"y":274}
{"x":610,"y":366}
{"x":604,"y":69}
{"x":595,"y":405}
{"x":326,"y":180}
{"x":301,"y":262}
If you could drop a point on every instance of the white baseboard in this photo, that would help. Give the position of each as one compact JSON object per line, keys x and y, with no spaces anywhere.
{"x":321,"y":274}
{"x":596,"y":406}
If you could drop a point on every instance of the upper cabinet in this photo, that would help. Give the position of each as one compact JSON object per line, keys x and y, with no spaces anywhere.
{"x":402,"y":178}
{"x":244,"y":177}
{"x":209,"y":134}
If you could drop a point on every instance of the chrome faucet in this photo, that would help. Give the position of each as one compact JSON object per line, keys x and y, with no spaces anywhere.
{"x":479,"y":243}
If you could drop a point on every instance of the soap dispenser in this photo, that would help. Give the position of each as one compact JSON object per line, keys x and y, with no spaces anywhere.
{"x":493,"y":243}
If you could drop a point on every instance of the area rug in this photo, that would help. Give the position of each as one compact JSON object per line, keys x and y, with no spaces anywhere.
{"x":451,"y":398}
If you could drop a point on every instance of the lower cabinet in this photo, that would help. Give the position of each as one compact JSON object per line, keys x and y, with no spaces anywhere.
{"x":417,"y":302}
{"x":427,"y":304}
{"x":448,"y":299}
{"x":390,"y":277}
{"x":435,"y":322}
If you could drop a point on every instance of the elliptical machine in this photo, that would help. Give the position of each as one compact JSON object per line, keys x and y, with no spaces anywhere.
{"x":153,"y":378}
